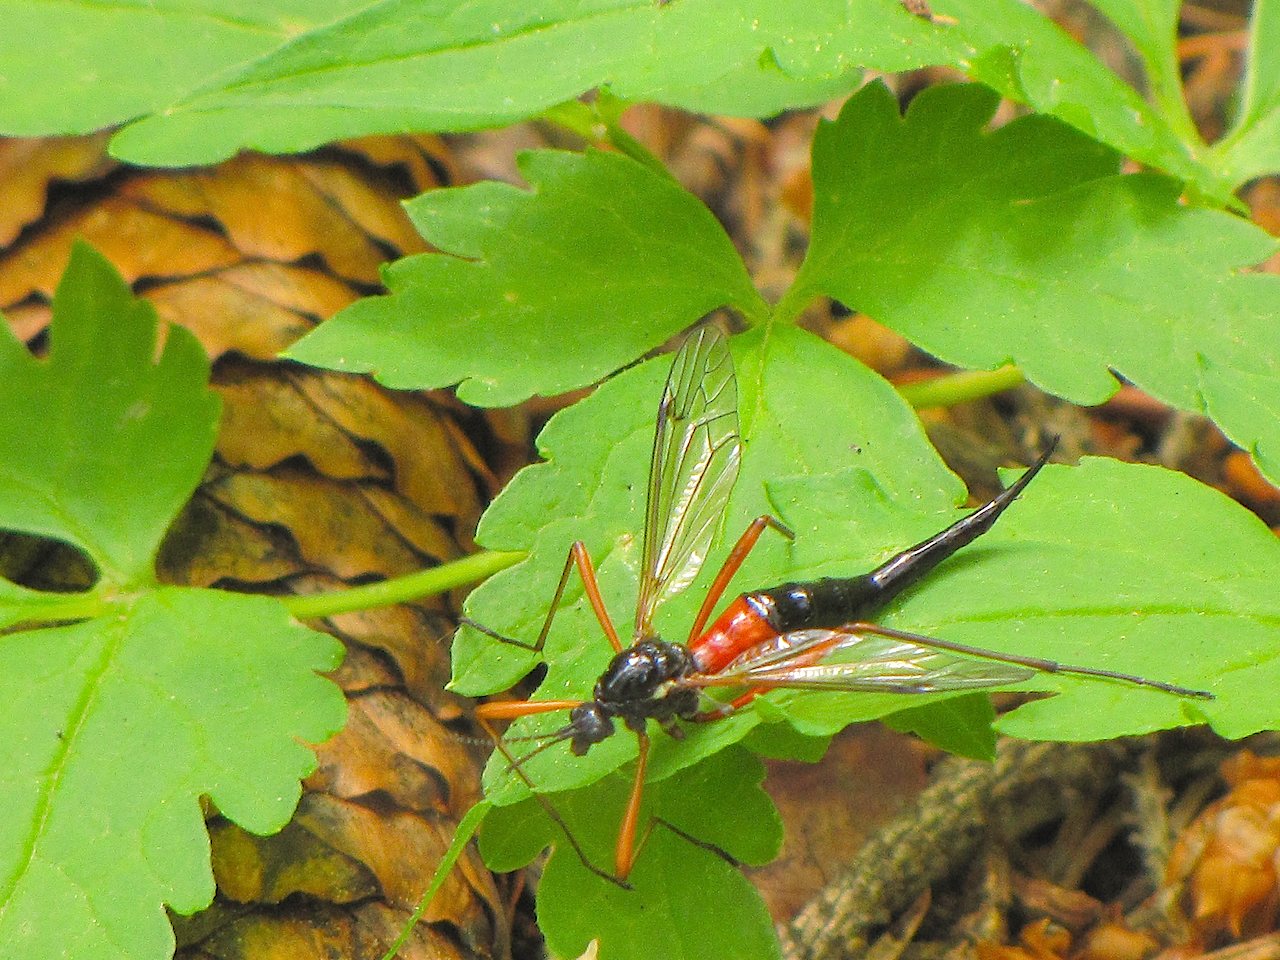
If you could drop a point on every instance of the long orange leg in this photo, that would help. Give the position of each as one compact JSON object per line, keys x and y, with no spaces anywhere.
{"x":548,"y":807}
{"x":511,"y":709}
{"x":628,"y":849}
{"x":737,"y":555}
{"x":577,"y":556}
{"x":578,"y":552}
{"x":624,"y":856}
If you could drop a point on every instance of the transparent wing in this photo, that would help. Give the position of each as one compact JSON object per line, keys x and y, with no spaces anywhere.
{"x":850,"y":661}
{"x":696,"y":455}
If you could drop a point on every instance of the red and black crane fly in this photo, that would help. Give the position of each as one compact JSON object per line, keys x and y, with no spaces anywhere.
{"x":808,"y":635}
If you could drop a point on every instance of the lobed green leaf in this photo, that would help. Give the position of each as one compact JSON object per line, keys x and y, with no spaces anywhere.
{"x":1104,"y":565}
{"x":102,"y":444}
{"x":117,"y":726}
{"x":687,"y":900}
{"x":133,"y":700}
{"x":201,"y":82}
{"x":405,"y":65}
{"x":601,"y":244}
{"x":1022,"y":245}
{"x":961,"y":725}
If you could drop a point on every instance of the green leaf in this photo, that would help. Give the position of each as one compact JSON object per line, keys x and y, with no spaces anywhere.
{"x":116,"y":63}
{"x":1032,"y":60}
{"x":847,"y":520}
{"x":118,"y":724}
{"x":1252,"y":147}
{"x":408,"y":65}
{"x":1106,"y":565}
{"x":1022,"y":245}
{"x":116,"y":727}
{"x":781,"y":740}
{"x":593,"y":487}
{"x":961,"y":725}
{"x":212,"y":80}
{"x":102,"y":445}
{"x":600,"y":243}
{"x":669,"y":912}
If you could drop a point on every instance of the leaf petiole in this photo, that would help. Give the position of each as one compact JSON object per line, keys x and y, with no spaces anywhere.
{"x":385,"y":593}
{"x":66,"y":607}
{"x":954,"y":388}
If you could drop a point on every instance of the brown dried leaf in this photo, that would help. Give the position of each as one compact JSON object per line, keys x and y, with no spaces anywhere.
{"x":1227,"y":858}
{"x":311,"y":931}
{"x":253,"y":869}
{"x":256,"y":309}
{"x":393,"y":747}
{"x":269,"y":209}
{"x":266,"y":419}
{"x":1042,"y":940}
{"x":373,"y":209}
{"x":402,"y":849}
{"x":137,"y":241}
{"x":28,"y":167}
{"x":317,"y":935}
{"x":1070,"y":909}
{"x":1115,"y":941}
{"x":1246,"y":483}
{"x":404,"y":645}
{"x":349,"y":428}
{"x":26,"y":320}
{"x":225,"y":243}
{"x":211,"y":544}
{"x":874,"y":344}
{"x":830,"y":809}
{"x":319,"y":479}
{"x":424,"y":158}
{"x":335,"y":529}
{"x":419,"y":434}
{"x":1038,"y":941}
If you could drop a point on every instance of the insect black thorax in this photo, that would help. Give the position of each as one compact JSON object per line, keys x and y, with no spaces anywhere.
{"x":640,"y":683}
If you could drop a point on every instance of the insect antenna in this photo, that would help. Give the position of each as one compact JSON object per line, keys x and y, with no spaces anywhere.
{"x":551,"y":739}
{"x":487,"y":741}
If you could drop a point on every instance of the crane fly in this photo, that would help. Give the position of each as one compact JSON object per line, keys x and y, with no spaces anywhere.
{"x":807,"y":635}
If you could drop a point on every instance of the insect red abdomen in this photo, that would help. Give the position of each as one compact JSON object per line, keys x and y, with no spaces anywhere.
{"x":736,"y":630}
